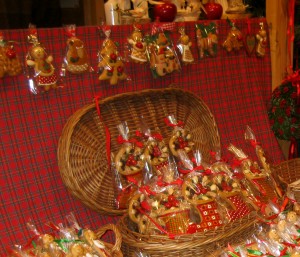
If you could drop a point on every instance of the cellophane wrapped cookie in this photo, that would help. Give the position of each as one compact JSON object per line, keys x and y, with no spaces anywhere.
{"x":137,"y":45}
{"x":10,"y":64}
{"x":181,"y":137}
{"x":184,"y":45}
{"x":234,"y":40}
{"x":76,"y":60}
{"x":161,"y":53}
{"x":110,"y":64}
{"x":207,"y":40}
{"x":128,"y":167}
{"x":40,"y":70}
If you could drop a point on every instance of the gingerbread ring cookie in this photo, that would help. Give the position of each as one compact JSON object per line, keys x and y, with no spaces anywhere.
{"x":128,"y":160}
{"x":158,"y":153}
{"x":199,"y":189}
{"x":182,"y":139}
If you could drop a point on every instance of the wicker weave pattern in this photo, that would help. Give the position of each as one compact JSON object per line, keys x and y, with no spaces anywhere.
{"x":82,"y":146}
{"x":198,"y":244}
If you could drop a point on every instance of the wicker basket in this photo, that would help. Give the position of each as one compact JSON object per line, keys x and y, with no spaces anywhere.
{"x":289,"y":171}
{"x":198,"y":244}
{"x":82,"y":146}
{"x":113,"y":249}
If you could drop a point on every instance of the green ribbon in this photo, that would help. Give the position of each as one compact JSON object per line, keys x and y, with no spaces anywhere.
{"x":255,"y":252}
{"x":60,"y":242}
{"x":232,"y":254}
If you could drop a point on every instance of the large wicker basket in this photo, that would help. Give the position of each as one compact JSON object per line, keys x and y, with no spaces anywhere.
{"x":289,"y":171}
{"x":198,"y":244}
{"x":82,"y":151}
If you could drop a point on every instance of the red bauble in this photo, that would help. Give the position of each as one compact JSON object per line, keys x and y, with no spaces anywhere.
{"x":214,"y":10}
{"x":11,"y":53}
{"x":165,"y":12}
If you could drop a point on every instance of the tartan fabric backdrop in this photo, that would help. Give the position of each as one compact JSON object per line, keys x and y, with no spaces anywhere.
{"x":236,"y":88}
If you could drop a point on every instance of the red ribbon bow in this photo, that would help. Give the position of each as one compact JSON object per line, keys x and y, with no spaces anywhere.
{"x":161,"y":183}
{"x":170,"y":124}
{"x":134,"y":141}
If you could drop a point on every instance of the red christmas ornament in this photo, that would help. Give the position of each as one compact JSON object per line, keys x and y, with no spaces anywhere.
{"x":165,"y":11}
{"x":213,"y":10}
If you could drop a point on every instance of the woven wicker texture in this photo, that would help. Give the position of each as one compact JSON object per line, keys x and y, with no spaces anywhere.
{"x":113,"y":249}
{"x":288,"y":170}
{"x":82,"y":150}
{"x":198,"y":244}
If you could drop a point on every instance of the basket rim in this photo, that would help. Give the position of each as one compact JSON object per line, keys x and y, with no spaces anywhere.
{"x":63,"y":151}
{"x":152,"y":242}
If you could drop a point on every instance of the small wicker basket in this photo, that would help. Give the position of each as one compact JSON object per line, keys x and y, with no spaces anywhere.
{"x":82,"y":151}
{"x":198,"y":244}
{"x":289,"y":171}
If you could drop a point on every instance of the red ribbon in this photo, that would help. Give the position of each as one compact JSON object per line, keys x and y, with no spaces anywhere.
{"x":161,"y":229}
{"x":107,"y":133}
{"x":121,"y":140}
{"x":146,"y":190}
{"x":170,"y":124}
{"x":156,"y":136}
{"x":162,"y":26}
{"x":161,"y":183}
{"x":291,"y":29}
{"x":293,"y":150}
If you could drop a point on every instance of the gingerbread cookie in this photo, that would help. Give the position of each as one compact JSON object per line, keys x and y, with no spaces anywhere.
{"x":138,"y":46}
{"x":184,"y":46}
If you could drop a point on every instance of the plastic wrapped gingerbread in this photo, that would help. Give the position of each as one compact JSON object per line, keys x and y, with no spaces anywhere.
{"x":10,"y":64}
{"x":138,"y":46}
{"x":184,"y":45}
{"x":110,"y":63}
{"x":41,"y":72}
{"x":234,"y":40}
{"x":76,"y":60}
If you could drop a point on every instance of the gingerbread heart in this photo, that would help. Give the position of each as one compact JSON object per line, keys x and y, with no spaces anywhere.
{"x":250,"y":43}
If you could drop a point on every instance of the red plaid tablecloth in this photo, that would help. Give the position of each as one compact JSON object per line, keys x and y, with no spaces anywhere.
{"x":235,"y":87}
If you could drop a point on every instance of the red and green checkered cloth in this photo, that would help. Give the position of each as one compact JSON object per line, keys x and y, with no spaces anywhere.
{"x":236,"y":88}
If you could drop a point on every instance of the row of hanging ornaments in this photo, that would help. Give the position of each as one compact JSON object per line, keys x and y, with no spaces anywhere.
{"x":156,"y":49}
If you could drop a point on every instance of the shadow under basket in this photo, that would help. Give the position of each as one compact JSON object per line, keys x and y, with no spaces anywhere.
{"x":289,"y":171}
{"x":82,"y":148}
{"x":198,"y":244}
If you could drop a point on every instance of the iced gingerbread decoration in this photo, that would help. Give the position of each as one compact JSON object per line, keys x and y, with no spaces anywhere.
{"x":200,"y":190}
{"x":207,"y":39}
{"x":43,"y":76}
{"x":229,"y":191}
{"x":255,"y":175}
{"x":10,"y":64}
{"x":110,"y":63}
{"x":138,"y":46}
{"x":184,"y":45}
{"x":261,"y":41}
{"x":161,"y":54}
{"x":181,"y":138}
{"x":76,"y":60}
{"x":234,"y":40}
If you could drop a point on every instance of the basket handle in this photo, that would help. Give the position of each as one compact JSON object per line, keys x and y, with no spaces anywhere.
{"x":118,"y":237}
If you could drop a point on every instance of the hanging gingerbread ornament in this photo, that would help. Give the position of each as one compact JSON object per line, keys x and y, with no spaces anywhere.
{"x":76,"y":60}
{"x":137,"y":45}
{"x":41,"y":71}
{"x":207,"y":39}
{"x":110,"y":62}
{"x":234,"y":39}
{"x":261,"y":39}
{"x":184,"y":45}
{"x":10,"y":64}
{"x":250,"y":40}
{"x":161,"y":52}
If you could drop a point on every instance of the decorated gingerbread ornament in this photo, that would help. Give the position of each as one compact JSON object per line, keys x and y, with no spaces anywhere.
{"x":137,"y":45}
{"x":76,"y":60}
{"x":234,"y":39}
{"x":261,"y":41}
{"x":161,"y":54}
{"x":207,"y":39}
{"x":43,"y":77}
{"x":184,"y":45}
{"x":110,"y":63}
{"x":10,"y":64}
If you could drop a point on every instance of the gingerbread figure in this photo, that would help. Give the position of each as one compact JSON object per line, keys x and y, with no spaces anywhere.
{"x":184,"y":46}
{"x":42,"y":64}
{"x":76,"y":58}
{"x":234,"y":40}
{"x":261,"y":39}
{"x":138,"y":46}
